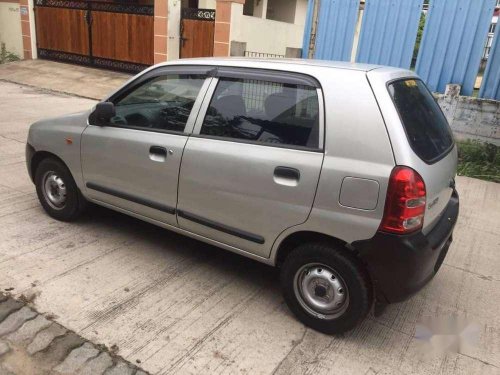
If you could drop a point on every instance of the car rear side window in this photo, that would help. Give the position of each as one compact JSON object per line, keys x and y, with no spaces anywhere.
{"x":426,"y":127}
{"x":264,"y":112}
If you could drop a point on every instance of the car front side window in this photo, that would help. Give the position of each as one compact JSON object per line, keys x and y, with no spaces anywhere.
{"x":161,"y":103}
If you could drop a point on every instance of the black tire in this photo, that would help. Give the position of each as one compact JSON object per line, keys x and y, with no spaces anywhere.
{"x":74,"y":203}
{"x":349,"y":271}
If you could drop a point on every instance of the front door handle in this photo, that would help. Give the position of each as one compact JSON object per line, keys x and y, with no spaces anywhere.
{"x":158,"y":153}
{"x":286,"y":176}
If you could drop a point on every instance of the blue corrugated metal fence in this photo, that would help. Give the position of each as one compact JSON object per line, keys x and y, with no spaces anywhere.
{"x":388,"y":32}
{"x":450,"y":50}
{"x":454,"y":37}
{"x":490,"y":89}
{"x":336,"y":26}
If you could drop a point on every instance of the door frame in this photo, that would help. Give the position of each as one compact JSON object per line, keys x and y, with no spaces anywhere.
{"x":89,"y":7}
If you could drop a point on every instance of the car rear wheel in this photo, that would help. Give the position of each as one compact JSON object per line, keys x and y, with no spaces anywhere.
{"x":326,"y":287}
{"x":57,"y":190}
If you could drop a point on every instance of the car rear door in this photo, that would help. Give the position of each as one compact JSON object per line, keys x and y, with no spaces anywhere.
{"x":251,"y":168}
{"x":133,"y":162}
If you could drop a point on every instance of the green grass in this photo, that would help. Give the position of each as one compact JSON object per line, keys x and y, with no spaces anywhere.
{"x":479,"y":160}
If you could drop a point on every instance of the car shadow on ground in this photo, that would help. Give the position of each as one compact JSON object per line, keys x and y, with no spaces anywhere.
{"x":229,"y":264}
{"x":168,"y":241}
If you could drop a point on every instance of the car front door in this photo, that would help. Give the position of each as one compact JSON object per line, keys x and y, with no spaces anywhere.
{"x":251,"y":168}
{"x":133,"y":161}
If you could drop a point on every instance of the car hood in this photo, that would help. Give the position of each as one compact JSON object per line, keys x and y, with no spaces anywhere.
{"x":72,"y":119}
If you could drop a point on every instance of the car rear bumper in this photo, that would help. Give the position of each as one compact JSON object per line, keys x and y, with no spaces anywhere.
{"x":401,"y":265}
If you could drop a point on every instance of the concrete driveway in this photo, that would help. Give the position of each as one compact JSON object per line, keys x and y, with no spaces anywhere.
{"x":176,"y":305}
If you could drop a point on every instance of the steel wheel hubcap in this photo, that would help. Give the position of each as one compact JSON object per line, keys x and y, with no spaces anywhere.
{"x":321,"y":291}
{"x":54,"y":190}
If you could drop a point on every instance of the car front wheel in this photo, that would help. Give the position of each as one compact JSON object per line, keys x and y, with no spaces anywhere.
{"x":326,"y":287}
{"x":57,"y":190}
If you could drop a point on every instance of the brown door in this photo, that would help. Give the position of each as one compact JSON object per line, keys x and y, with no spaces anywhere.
{"x":197,"y":32}
{"x":122,"y":36}
{"x":62,"y":29}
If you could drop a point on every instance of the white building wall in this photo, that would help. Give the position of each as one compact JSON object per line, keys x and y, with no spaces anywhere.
{"x":265,"y":36}
{"x":10,"y":28}
{"x":207,"y":4}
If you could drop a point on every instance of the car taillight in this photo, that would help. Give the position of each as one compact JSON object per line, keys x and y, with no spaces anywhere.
{"x":405,"y":202}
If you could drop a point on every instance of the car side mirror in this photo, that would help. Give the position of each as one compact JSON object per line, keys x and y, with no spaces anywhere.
{"x":103,"y":112}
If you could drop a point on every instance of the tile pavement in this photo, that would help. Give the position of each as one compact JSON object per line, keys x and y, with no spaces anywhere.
{"x":30,"y":343}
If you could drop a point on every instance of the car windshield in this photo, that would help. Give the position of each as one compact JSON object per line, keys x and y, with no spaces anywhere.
{"x":426,"y":127}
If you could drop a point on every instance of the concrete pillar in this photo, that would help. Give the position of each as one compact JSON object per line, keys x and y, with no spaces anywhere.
{"x":452,"y":90}
{"x":160,"y":31}
{"x":261,"y":9}
{"x":174,"y":29}
{"x":357,"y":33}
{"x":34,"y":52}
{"x":223,"y":15}
{"x":27,"y":20}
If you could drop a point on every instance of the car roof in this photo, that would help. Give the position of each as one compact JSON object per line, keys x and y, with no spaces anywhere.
{"x":314,"y":68}
{"x":278,"y":62}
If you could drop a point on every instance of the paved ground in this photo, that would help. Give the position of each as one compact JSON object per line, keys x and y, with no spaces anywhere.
{"x":71,"y":79}
{"x":180,"y":306}
{"x":30,"y":343}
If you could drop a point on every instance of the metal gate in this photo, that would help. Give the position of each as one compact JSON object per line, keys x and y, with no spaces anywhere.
{"x":197,"y":32}
{"x":116,"y":36}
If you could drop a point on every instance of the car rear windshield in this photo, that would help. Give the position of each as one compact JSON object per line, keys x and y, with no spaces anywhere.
{"x":426,"y":127}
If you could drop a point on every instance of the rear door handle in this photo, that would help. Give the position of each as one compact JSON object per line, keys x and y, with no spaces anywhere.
{"x":286,"y":176}
{"x":158,"y":153}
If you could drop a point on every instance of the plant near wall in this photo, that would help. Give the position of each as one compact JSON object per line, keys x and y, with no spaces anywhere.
{"x":6,"y":56}
{"x":478,"y":159}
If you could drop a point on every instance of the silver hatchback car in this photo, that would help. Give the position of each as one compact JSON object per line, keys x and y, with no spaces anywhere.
{"x":340,"y":174}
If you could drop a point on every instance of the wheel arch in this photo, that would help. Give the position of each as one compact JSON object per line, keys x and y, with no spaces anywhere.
{"x":37,"y":158}
{"x":294,"y":239}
